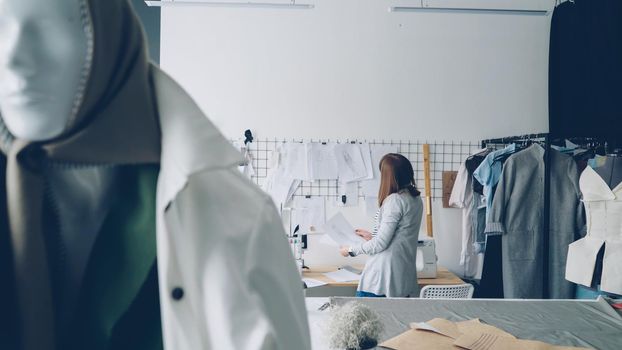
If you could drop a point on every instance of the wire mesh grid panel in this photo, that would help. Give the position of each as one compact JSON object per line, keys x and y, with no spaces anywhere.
{"x":444,"y":156}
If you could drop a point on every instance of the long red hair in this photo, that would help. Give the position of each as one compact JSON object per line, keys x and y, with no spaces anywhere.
{"x":396,"y":174}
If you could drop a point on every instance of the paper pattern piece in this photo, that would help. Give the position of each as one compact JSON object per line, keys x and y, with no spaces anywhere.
{"x":312,"y":283}
{"x":487,"y":341}
{"x":309,"y":213}
{"x":342,"y":276}
{"x":321,"y":161}
{"x":350,"y":162}
{"x":440,"y":326}
{"x":472,"y":335}
{"x":340,"y":230}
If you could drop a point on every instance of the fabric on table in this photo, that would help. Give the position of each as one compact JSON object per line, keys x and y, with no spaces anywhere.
{"x":517,"y":214}
{"x":588,"y":323}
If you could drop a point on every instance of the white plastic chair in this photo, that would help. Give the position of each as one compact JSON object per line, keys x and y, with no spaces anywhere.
{"x":454,"y":291}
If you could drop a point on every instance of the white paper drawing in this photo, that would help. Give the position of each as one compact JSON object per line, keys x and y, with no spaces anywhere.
{"x":342,"y":276}
{"x":309,"y":213}
{"x":293,"y":161}
{"x":369,"y":165}
{"x":327,"y":240}
{"x":321,"y":161}
{"x":370,"y":187}
{"x":312,"y":283}
{"x":350,"y":162}
{"x":340,"y":230}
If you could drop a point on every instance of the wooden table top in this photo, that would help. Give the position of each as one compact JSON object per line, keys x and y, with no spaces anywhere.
{"x":443,"y":276}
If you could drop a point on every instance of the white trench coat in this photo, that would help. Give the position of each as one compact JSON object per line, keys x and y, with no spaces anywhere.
{"x":227,"y":276}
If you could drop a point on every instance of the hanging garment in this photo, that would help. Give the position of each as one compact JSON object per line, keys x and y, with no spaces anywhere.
{"x":517,"y":214}
{"x":478,"y":212}
{"x":489,"y":172}
{"x":472,"y":163}
{"x":603,"y":206}
{"x":463,"y":197}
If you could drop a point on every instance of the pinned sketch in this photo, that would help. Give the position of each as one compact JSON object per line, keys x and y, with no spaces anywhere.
{"x":293,"y":161}
{"x":309,"y":213}
{"x":370,"y":187}
{"x":340,"y":230}
{"x":280,"y":187}
{"x":321,"y":161}
{"x":350,"y":162}
{"x":369,"y":166}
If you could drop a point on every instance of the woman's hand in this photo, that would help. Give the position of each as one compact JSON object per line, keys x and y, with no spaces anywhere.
{"x":363,"y":233}
{"x":345,"y":251}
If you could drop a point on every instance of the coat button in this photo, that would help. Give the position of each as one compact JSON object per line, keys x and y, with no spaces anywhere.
{"x":177,"y":293}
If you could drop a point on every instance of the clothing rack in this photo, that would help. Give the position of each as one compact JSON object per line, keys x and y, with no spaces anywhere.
{"x":547,"y":194}
{"x":513,"y":139}
{"x":548,"y":140}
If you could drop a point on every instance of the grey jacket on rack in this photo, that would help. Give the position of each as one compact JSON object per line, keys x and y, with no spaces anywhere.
{"x":517,"y":213}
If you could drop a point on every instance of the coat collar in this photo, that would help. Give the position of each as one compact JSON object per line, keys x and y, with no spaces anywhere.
{"x":190,"y":142}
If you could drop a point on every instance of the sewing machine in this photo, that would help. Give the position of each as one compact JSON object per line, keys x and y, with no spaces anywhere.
{"x":426,"y":259}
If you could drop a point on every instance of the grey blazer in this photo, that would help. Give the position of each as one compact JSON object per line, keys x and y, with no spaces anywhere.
{"x":392,"y":268}
{"x":517,"y":214}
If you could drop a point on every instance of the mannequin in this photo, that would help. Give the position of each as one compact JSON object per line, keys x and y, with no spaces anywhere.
{"x":611,"y":172}
{"x":36,"y":37}
{"x":592,"y":260}
{"x":102,"y":155}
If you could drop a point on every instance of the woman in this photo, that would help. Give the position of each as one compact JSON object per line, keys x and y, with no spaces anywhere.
{"x":391,"y":271}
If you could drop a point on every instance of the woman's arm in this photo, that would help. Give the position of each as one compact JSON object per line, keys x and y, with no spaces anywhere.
{"x":391,"y":215}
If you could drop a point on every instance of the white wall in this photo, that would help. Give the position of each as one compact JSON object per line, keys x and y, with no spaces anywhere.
{"x":351,"y":69}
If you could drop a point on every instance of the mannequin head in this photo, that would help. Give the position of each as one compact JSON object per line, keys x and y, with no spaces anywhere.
{"x":43,"y":65}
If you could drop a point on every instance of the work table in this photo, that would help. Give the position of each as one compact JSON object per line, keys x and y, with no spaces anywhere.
{"x":443,"y":276}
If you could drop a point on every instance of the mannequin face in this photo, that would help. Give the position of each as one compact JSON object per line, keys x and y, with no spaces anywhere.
{"x":43,"y":53}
